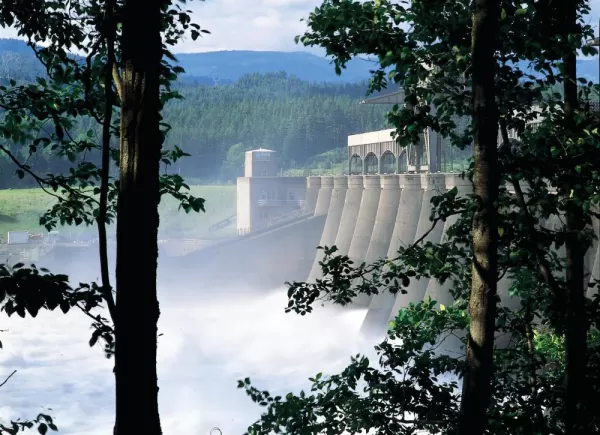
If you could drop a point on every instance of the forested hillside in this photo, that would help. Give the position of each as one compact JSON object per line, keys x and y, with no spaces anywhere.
{"x":298,"y":119}
{"x":217,"y":124}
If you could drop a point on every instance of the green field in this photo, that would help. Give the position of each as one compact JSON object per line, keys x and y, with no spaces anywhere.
{"x":20,"y":210}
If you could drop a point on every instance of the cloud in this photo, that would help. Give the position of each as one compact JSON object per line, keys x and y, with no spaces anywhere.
{"x":258,"y":24}
{"x":249,"y":25}
{"x":242,"y":25}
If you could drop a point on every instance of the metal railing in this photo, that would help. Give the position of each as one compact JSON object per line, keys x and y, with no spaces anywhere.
{"x":222,"y":224}
{"x":296,"y":213}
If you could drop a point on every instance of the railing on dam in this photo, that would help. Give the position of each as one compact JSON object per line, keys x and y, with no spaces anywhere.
{"x":296,"y":213}
{"x":280,"y":202}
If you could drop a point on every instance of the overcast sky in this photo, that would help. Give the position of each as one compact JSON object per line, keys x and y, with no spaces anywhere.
{"x":256,"y":24}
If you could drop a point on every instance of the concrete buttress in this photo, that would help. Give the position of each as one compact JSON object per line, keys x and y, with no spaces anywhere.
{"x":385,"y":219}
{"x":437,"y":291}
{"x":440,"y":292}
{"x":432,"y":185}
{"x":349,"y":214}
{"x":365,"y":225}
{"x":332,"y":223}
{"x":405,"y":225}
{"x":324,"y":196}
{"x":313,"y":186}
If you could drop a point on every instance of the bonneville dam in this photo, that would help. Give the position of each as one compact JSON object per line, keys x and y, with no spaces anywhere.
{"x":382,"y":204}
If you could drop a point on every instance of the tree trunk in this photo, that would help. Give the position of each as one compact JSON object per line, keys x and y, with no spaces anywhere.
{"x":137,"y":308}
{"x":482,"y":300}
{"x":575,"y":325}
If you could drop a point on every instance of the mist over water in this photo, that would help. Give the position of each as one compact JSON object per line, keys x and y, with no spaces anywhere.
{"x":211,"y":338}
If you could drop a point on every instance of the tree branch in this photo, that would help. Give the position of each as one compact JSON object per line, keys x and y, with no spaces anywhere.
{"x":7,"y":378}
{"x":41,"y":181}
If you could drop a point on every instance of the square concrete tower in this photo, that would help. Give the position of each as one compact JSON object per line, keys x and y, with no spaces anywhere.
{"x":261,"y":163}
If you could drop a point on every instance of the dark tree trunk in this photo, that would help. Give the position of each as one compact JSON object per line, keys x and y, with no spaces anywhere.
{"x":575,"y":325}
{"x":482,"y":300}
{"x":137,"y":308}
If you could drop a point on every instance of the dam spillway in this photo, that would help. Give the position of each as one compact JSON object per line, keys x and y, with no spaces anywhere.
{"x":367,"y":217}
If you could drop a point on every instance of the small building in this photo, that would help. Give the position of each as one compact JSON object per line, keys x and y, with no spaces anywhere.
{"x":263,"y":196}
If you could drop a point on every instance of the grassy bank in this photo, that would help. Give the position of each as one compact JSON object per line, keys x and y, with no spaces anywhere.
{"x":20,"y":210}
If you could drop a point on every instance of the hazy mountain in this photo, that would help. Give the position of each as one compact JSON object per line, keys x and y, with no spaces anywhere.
{"x":224,"y":67}
{"x":231,"y":65}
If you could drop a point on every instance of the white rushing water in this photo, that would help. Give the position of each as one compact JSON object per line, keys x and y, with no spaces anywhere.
{"x":210,"y":340}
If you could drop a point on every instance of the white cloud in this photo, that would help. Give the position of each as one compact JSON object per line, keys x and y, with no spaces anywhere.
{"x":243,"y":24}
{"x":249,"y":25}
{"x":257,"y":24}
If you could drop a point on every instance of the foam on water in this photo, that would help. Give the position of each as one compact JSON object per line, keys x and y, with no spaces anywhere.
{"x":209,"y":341}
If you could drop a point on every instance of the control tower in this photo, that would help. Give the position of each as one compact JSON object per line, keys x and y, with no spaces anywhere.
{"x":263,"y":197}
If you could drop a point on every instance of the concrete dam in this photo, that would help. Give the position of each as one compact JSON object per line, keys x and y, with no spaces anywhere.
{"x":367,"y":217}
{"x":384,"y":203}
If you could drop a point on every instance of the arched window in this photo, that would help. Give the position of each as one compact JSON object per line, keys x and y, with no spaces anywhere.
{"x":388,"y":163}
{"x":356,"y":165}
{"x":402,"y":164}
{"x":371,"y":163}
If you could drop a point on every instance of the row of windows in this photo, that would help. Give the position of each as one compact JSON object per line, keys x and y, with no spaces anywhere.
{"x":389,"y":164}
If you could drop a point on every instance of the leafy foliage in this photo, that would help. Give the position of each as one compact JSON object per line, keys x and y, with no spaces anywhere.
{"x":425,"y":47}
{"x":43,"y":117}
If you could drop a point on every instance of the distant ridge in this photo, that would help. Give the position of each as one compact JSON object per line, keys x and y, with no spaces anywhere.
{"x":231,"y":65}
{"x":223,"y":67}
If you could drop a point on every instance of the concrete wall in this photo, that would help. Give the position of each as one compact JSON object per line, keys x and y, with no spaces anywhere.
{"x":367,"y":215}
{"x":404,"y":227}
{"x":436,"y":290}
{"x":244,"y":205}
{"x":262,"y":261}
{"x":594,"y":261}
{"x":281,"y":195}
